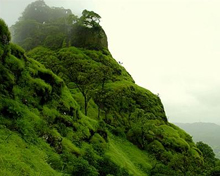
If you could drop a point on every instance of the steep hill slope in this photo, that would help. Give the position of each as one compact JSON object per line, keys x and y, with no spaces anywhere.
{"x":40,"y":117}
{"x":76,"y":111}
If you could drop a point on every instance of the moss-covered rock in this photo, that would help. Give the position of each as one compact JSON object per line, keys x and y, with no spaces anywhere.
{"x":90,"y":38}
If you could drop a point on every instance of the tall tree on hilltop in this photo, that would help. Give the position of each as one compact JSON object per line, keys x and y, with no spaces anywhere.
{"x":90,"y":19}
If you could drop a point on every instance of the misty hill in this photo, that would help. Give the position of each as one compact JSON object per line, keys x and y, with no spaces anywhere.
{"x":206,"y":132}
{"x":55,"y":27}
{"x":73,"y":110}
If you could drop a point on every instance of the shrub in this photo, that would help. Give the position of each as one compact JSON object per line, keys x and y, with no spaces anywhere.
{"x":118,"y":131}
{"x":5,"y":38}
{"x":5,"y":35}
{"x":215,"y":171}
{"x":17,"y":51}
{"x":81,"y":167}
{"x":156,"y":147}
{"x":107,"y":167}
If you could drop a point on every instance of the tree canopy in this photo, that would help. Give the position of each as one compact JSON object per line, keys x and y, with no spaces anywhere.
{"x":90,"y":19}
{"x":5,"y":35}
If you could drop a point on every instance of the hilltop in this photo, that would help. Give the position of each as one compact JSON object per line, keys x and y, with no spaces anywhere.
{"x":68,"y":108}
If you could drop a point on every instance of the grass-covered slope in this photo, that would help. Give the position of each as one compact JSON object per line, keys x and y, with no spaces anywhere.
{"x":43,"y":131}
{"x":21,"y":158}
{"x":128,"y":156}
{"x":76,"y":111}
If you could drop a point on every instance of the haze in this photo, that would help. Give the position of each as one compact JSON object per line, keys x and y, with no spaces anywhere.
{"x":171,"y":47}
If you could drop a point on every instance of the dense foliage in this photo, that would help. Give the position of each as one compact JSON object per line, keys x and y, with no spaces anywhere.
{"x":67,"y":110}
{"x":39,"y":115}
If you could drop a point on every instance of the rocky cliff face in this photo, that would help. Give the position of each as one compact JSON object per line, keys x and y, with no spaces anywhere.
{"x":90,"y":38}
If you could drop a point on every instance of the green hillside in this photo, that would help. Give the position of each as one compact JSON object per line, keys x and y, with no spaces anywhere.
{"x":68,"y":108}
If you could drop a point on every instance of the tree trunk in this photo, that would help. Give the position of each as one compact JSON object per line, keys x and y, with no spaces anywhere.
{"x":99,"y":113}
{"x":99,"y":109}
{"x":142,"y":137}
{"x":85,"y":104}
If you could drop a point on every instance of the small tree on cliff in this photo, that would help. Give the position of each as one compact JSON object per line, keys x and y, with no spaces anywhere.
{"x":90,"y":19}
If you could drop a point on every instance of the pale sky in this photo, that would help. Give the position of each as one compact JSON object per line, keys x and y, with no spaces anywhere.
{"x":171,"y":47}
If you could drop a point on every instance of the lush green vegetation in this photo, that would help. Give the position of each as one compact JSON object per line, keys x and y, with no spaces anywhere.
{"x":73,"y":110}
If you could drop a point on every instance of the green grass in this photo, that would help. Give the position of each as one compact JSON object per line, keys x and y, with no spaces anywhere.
{"x":127,"y":155}
{"x":20,"y":158}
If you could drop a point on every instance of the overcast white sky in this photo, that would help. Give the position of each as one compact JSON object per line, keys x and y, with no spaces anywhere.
{"x":171,"y":47}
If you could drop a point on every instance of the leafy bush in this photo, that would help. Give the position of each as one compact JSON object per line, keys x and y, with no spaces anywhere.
{"x":215,"y":171}
{"x":5,"y":35}
{"x":82,"y":167}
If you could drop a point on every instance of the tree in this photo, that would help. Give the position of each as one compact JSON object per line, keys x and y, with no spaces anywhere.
{"x":90,"y":19}
{"x":72,"y":19}
{"x":141,"y":132}
{"x":215,"y":171}
{"x":86,"y":77}
{"x":208,"y":155}
{"x":37,"y":10}
{"x":5,"y":38}
{"x":83,"y":168}
{"x":117,"y":100}
{"x":105,"y":73}
{"x":42,"y":25}
{"x":5,"y":35}
{"x":183,"y":163}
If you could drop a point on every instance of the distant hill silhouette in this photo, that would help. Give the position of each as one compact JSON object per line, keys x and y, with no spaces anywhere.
{"x":207,"y":132}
